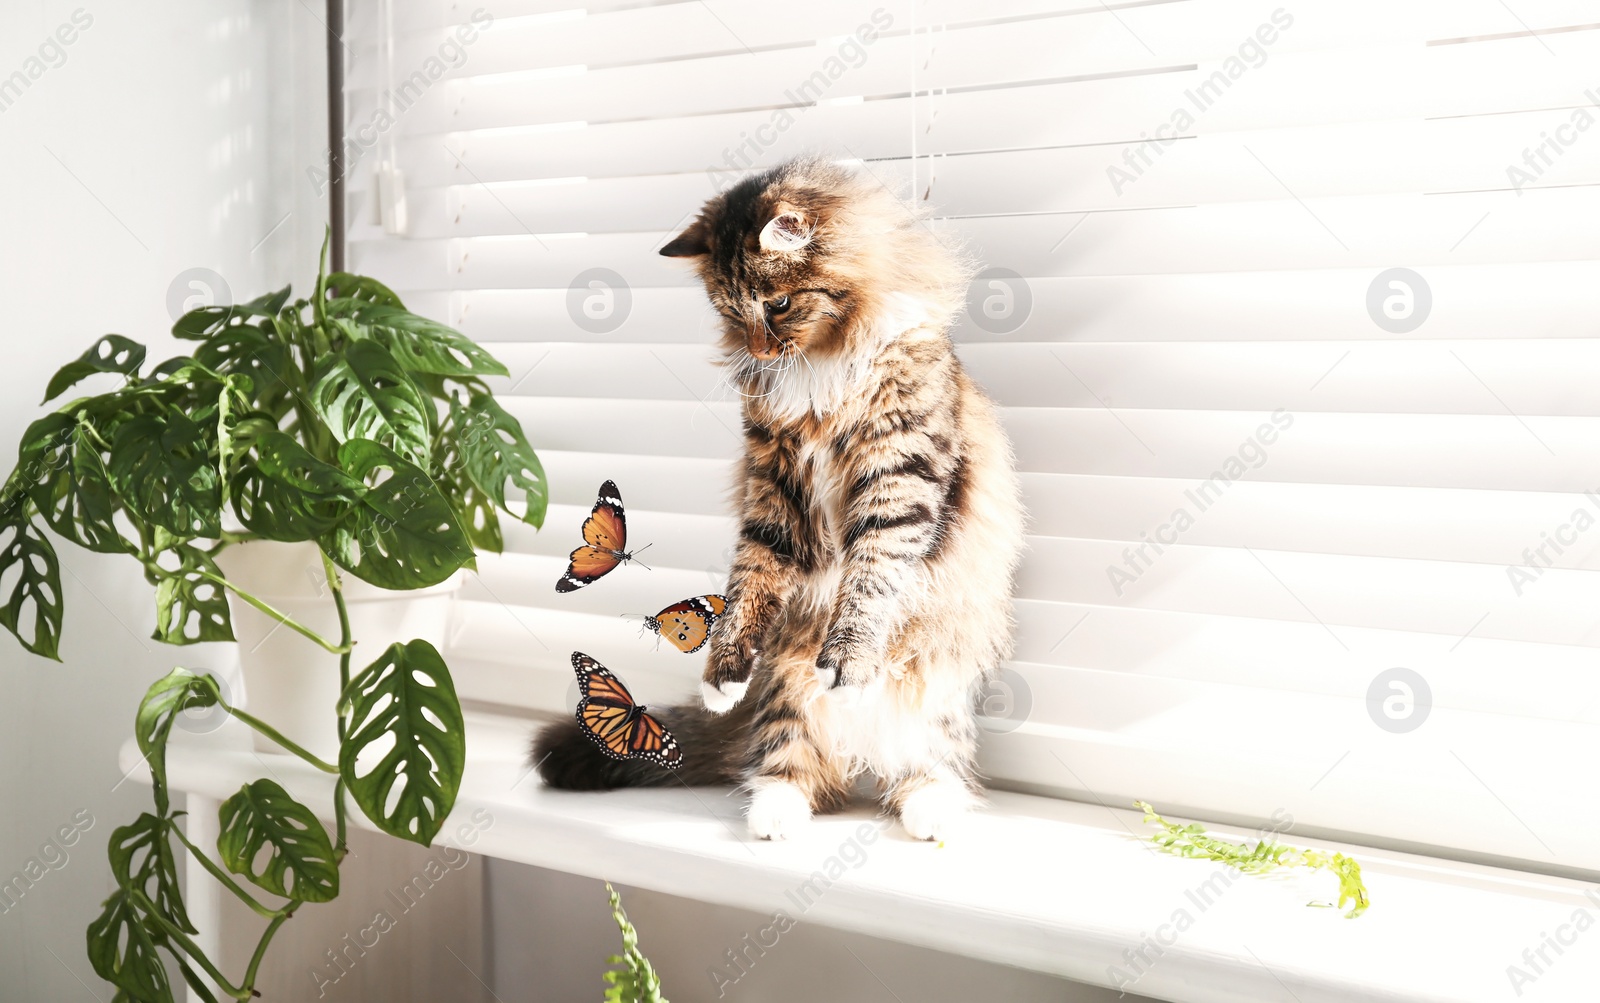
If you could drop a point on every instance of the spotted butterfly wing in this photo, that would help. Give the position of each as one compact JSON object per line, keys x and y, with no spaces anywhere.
{"x":620,"y":727}
{"x":605,"y":538}
{"x":687,"y":625}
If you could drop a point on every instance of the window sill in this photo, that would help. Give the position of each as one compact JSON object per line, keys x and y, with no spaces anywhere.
{"x":1053,"y":886}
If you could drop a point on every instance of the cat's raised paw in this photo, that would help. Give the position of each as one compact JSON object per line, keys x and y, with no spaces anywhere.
{"x":719,"y":699}
{"x":778,"y":810}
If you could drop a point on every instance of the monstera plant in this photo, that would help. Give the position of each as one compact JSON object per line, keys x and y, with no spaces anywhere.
{"x":345,"y":421}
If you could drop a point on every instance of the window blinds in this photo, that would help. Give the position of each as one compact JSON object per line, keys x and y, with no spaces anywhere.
{"x":1291,"y":309}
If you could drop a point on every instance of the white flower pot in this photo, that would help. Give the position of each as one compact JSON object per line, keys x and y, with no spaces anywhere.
{"x":289,"y":681}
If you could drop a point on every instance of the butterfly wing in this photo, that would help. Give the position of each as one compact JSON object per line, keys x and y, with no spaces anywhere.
{"x":606,"y":712}
{"x":608,"y":715}
{"x":651,"y":740}
{"x":605,"y":534}
{"x":687,"y":625}
{"x":607,"y":525}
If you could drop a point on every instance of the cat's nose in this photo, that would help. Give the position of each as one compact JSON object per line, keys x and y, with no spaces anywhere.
{"x":762,"y":344}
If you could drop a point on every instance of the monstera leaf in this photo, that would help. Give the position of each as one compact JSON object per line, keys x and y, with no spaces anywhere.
{"x":349,"y":292}
{"x":37,"y":585}
{"x":402,"y":534}
{"x":166,"y":698}
{"x":123,"y":952}
{"x":70,"y":483}
{"x":248,"y":350}
{"x":300,"y":862}
{"x":284,"y":493}
{"x":111,"y":354}
{"x":363,"y":393}
{"x":495,"y":452}
{"x":190,"y":606}
{"x":420,"y":344}
{"x":203,"y":322}
{"x":475,"y":508}
{"x":163,"y":472}
{"x":142,"y":858}
{"x":406,"y":742}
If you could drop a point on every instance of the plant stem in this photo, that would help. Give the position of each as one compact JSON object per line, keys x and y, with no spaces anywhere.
{"x":227,"y":880}
{"x":181,"y":939}
{"x":283,"y":618}
{"x":261,"y":950}
{"x":278,"y":737}
{"x":332,"y":575}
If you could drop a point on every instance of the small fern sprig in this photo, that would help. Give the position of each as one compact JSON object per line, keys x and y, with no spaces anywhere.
{"x":1267,"y":855}
{"x":636,"y":981}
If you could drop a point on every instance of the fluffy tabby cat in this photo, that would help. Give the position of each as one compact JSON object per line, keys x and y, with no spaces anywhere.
{"x":880,"y":519}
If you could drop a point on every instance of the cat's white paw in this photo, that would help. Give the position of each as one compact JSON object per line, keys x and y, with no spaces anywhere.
{"x":720,"y":699}
{"x":936,"y":810}
{"x":778,"y":810}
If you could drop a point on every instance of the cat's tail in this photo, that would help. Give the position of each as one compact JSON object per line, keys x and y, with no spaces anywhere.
{"x":713,"y":753}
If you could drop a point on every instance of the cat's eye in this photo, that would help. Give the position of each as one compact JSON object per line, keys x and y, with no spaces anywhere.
{"x":778,"y":305}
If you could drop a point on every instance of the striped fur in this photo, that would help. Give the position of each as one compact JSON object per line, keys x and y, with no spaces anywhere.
{"x":880,"y":519}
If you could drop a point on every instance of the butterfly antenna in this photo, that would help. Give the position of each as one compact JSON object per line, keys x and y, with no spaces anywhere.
{"x":635,"y":555}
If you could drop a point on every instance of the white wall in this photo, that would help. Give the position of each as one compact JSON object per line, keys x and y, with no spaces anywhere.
{"x":160,"y":144}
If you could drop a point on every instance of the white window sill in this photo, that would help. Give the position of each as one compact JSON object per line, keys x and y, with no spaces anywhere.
{"x":1052,"y":886}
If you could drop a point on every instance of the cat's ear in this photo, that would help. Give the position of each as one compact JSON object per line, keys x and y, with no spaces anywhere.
{"x":787,"y":231}
{"x":691,"y":243}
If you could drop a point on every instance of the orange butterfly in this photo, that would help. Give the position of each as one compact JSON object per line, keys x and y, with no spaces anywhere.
{"x":687,"y":625}
{"x":605,"y":534}
{"x":608,"y":715}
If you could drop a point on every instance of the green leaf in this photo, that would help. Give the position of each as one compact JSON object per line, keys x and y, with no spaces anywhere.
{"x":111,"y":354}
{"x":406,"y":744}
{"x":142,"y":858}
{"x":203,"y":322}
{"x":402,"y":534}
{"x":420,"y":344}
{"x":38,"y":583}
{"x":249,"y":350}
{"x":495,"y":452}
{"x":475,"y":509}
{"x":123,"y":952}
{"x":72,"y":489}
{"x":164,"y":473}
{"x":357,"y":290}
{"x":190,"y":607}
{"x":286,"y":493}
{"x":166,"y":698}
{"x":364,"y":393}
{"x":300,"y":864}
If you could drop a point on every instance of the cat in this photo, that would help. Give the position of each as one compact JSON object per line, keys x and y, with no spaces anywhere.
{"x":880,"y":517}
